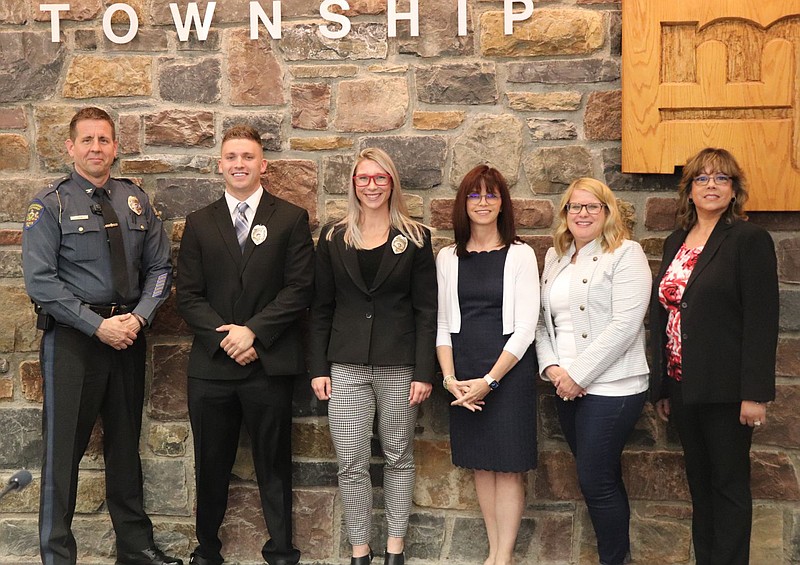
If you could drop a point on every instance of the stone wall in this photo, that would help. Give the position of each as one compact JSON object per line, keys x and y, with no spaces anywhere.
{"x":542,"y":105}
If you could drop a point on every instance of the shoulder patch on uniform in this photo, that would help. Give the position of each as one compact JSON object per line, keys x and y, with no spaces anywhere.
{"x":34,"y":213}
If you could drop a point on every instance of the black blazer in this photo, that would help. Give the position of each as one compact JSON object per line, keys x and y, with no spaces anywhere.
{"x":391,"y":323}
{"x":267,"y":289}
{"x":729,"y":318}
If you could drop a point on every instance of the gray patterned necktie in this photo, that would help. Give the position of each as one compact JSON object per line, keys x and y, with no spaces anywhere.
{"x":242,"y":229}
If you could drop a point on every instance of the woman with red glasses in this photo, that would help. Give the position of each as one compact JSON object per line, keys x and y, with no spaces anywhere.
{"x":373,"y":324}
{"x":714,"y":331}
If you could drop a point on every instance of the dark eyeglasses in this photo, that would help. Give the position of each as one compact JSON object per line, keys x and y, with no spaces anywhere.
{"x":720,"y":179}
{"x":491,"y":197}
{"x":592,"y":208}
{"x":381,"y":179}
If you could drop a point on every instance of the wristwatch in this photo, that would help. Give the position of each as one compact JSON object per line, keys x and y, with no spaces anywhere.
{"x":493,"y":384}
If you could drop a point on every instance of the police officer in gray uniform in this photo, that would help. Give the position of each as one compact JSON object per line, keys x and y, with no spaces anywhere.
{"x":97,"y":265}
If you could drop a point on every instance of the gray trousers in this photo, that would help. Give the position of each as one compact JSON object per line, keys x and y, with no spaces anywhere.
{"x":357,"y":392}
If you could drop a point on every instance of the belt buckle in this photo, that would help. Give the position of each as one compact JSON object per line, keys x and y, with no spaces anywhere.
{"x":113,"y":309}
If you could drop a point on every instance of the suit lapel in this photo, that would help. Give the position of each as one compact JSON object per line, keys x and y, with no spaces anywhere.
{"x":222,"y":217}
{"x":266,"y":207}
{"x":709,"y":250}
{"x":389,"y":259}
{"x":350,"y":260}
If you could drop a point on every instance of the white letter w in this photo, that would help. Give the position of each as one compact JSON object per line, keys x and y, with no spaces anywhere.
{"x":192,"y":19}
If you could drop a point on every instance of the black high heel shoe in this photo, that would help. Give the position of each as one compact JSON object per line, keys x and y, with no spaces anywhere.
{"x":395,"y":558}
{"x":363,"y":560}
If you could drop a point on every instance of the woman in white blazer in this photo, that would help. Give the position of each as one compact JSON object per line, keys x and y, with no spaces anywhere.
{"x":590,"y":342}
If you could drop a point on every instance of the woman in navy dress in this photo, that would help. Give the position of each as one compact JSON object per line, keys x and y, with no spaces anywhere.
{"x":488,"y":309}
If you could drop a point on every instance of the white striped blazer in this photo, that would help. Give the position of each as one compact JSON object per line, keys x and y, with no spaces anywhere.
{"x":609,"y":295}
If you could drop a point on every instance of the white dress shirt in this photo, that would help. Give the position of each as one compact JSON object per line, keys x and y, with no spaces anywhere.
{"x":252,"y":206}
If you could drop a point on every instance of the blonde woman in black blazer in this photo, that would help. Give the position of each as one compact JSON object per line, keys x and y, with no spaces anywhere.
{"x":714,"y":318}
{"x":373,"y":327}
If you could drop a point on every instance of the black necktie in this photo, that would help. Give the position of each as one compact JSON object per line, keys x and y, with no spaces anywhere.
{"x":119,"y":264}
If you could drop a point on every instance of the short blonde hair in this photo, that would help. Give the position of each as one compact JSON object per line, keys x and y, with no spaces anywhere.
{"x":615,"y":230}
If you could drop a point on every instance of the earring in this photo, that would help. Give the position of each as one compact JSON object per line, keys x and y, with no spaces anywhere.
{"x":733,"y":200}
{"x":690,"y":200}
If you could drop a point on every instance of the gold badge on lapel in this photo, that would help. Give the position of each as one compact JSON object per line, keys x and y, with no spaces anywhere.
{"x":399,"y":244}
{"x":259,"y":234}
{"x":135,"y":205}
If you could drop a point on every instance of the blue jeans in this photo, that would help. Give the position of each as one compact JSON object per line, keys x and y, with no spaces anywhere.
{"x":596,"y":429}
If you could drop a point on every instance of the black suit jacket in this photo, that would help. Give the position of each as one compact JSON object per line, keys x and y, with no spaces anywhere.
{"x":391,"y":323}
{"x":267,"y":289}
{"x":729,"y":318}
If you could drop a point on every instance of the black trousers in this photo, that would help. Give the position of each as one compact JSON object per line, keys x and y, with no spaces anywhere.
{"x":716,"y":449}
{"x":84,"y":378}
{"x":217,"y":409}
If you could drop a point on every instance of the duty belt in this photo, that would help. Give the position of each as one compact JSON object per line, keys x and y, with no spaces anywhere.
{"x":108,"y":310}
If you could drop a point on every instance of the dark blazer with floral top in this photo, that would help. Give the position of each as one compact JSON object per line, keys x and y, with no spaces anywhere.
{"x":729,"y":318}
{"x":393,"y":322}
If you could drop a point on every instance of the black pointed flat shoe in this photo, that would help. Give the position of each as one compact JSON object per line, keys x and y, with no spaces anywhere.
{"x":363,"y":560}
{"x":395,"y":558}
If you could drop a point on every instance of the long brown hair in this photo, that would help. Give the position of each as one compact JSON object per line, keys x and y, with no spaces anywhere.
{"x":490,"y":179}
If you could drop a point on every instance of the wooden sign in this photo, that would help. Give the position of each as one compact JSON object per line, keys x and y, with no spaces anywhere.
{"x":718,"y":73}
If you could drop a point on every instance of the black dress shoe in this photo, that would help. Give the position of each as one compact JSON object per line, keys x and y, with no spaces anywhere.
{"x":197,"y":559}
{"x":363,"y":560}
{"x":151,"y":556}
{"x":395,"y":558}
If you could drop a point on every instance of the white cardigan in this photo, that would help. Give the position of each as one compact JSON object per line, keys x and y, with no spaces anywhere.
{"x":520,"y":297}
{"x":609,"y":295}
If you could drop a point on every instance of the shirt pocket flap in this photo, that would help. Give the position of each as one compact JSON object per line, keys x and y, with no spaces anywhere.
{"x":137,"y":224}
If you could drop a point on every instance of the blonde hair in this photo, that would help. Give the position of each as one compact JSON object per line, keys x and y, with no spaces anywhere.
{"x":398,"y":212}
{"x":615,"y":230}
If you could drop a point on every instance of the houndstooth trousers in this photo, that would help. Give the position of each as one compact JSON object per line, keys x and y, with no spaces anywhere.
{"x":357,"y":391}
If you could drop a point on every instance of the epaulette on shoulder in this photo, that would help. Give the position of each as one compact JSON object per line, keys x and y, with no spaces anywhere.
{"x":53,"y":186}
{"x":128,"y":182}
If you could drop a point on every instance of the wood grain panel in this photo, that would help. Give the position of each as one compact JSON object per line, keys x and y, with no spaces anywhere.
{"x":720,"y":73}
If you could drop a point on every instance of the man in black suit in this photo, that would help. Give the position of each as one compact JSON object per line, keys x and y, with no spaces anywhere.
{"x":245,"y":277}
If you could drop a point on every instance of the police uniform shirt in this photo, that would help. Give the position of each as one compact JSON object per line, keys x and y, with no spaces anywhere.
{"x":66,"y":255}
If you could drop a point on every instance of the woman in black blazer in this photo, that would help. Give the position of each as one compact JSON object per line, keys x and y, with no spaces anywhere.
{"x":373,"y":327}
{"x":714,"y":331}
